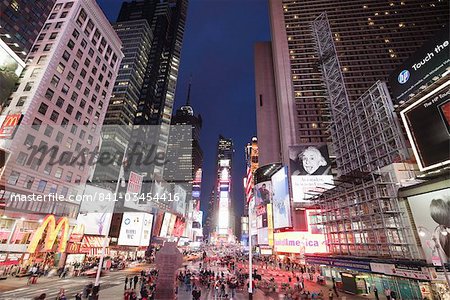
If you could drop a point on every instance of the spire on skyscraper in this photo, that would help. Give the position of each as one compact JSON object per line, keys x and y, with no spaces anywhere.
{"x":188,"y":99}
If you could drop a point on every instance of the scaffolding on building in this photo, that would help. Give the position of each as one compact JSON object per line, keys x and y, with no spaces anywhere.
{"x":361,"y":215}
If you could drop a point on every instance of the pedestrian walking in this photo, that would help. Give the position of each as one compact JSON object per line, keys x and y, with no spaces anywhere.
{"x":330,"y":294}
{"x":196,"y":293}
{"x":126,"y":282}
{"x":78,"y":296}
{"x":375,"y":291}
{"x":136,"y":279}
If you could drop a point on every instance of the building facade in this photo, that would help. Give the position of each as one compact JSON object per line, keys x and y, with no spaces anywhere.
{"x":56,"y":114}
{"x":371,"y":39}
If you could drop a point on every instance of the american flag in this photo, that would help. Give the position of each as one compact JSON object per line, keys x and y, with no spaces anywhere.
{"x":249,"y":185}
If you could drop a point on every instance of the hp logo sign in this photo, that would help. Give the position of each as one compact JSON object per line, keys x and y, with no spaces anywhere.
{"x":403,"y":76}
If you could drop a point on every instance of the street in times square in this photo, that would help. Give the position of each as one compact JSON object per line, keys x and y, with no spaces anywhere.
{"x":225,"y":149}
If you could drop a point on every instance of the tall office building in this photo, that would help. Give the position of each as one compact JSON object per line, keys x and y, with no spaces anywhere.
{"x":191,"y":162}
{"x":60,"y":103}
{"x":223,"y":206}
{"x":371,"y":38}
{"x":137,"y":38}
{"x":20,"y":23}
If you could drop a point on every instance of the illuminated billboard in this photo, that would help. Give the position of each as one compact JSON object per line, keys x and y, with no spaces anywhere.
{"x":299,"y":242}
{"x":136,"y":229}
{"x":427,"y":124}
{"x":173,"y":219}
{"x":310,"y":167}
{"x":179,"y":227}
{"x":165,"y":224}
{"x":431,"y":210}
{"x":11,"y":66}
{"x":280,"y":199}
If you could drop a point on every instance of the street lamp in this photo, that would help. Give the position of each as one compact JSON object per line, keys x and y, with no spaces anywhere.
{"x":440,"y":229}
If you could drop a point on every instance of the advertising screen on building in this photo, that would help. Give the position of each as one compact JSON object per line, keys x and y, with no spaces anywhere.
{"x":173,"y":219}
{"x":165,"y":224}
{"x":431,"y":60}
{"x":427,"y":125}
{"x":299,"y":242}
{"x":263,"y":193}
{"x":431,"y":210}
{"x":135,"y":229}
{"x":263,"y":236}
{"x":11,"y":66}
{"x":281,"y":202}
{"x":179,"y":227}
{"x":310,"y":167}
{"x":94,"y":215}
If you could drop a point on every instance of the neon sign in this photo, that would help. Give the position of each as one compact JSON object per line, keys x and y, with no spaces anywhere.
{"x":53,"y":230}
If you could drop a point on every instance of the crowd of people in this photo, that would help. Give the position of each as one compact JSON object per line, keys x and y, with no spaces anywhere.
{"x":146,"y":283}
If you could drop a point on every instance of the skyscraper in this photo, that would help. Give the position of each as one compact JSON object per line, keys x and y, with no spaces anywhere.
{"x":223,"y":206}
{"x":371,"y":38}
{"x":60,"y":104}
{"x":20,"y":23}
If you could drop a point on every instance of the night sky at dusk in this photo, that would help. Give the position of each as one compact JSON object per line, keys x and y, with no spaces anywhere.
{"x":218,"y":52}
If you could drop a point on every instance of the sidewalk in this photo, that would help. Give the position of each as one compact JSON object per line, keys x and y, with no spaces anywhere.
{"x":12,"y":283}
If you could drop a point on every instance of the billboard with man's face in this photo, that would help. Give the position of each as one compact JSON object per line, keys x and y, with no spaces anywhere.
{"x":310,"y":169}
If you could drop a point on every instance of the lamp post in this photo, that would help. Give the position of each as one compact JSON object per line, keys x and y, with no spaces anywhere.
{"x":437,"y":246}
{"x":250,"y":257}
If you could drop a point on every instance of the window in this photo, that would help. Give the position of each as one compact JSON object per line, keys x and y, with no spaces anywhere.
{"x":13,"y":178}
{"x":70,"y":76}
{"x":48,"y":131}
{"x":81,"y":17}
{"x":59,"y":25}
{"x":82,"y":134}
{"x":77,"y":147}
{"x":87,"y":62}
{"x":49,"y":94}
{"x":35,"y":72}
{"x":60,"y":102}
{"x":75,"y":34}
{"x":74,"y":97}
{"x":86,"y":92}
{"x":52,"y":16}
{"x":91,"y":52}
{"x":78,"y":116}
{"x":68,"y":5}
{"x":28,"y":86}
{"x":79,"y":84}
{"x":69,"y":142}
{"x":53,"y":35}
{"x":71,"y":44}
{"x":64,"y":191}
{"x":86,"y":121}
{"x":83,"y":73}
{"x":21,"y":101}
{"x":69,"y":176}
{"x":60,"y":68}
{"x":58,"y":172}
{"x":79,"y":53}
{"x":100,"y":105}
{"x":57,"y":7}
{"x":94,"y":99}
{"x":83,"y":43}
{"x":48,"y":47}
{"x":47,"y":169}
{"x":41,"y":37}
{"x":77,"y":179}
{"x":66,"y":56}
{"x":28,"y":182}
{"x":94,"y":70}
{"x":35,"y":48}
{"x":63,"y":14}
{"x":90,"y":109}
{"x":42,"y":59}
{"x":54,"y":116}
{"x":43,"y":108}
{"x":46,"y":26}
{"x":65,"y":89}
{"x":89,"y":27}
{"x":90,"y":81}
{"x":64,"y":123}
{"x":59,"y":137}
{"x":74,"y":129}
{"x":82,"y":103}
{"x":75,"y":65}
{"x":69,"y":109}
{"x":36,"y":124}
{"x":54,"y":81}
{"x":21,"y":158}
{"x":89,"y":140}
{"x":41,"y":185}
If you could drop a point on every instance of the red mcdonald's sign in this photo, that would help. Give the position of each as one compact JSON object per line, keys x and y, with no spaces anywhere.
{"x":9,"y":125}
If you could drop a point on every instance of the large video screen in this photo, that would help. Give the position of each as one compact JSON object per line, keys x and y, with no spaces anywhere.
{"x":431,"y":210}
{"x":281,"y":201}
{"x":427,"y":125}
